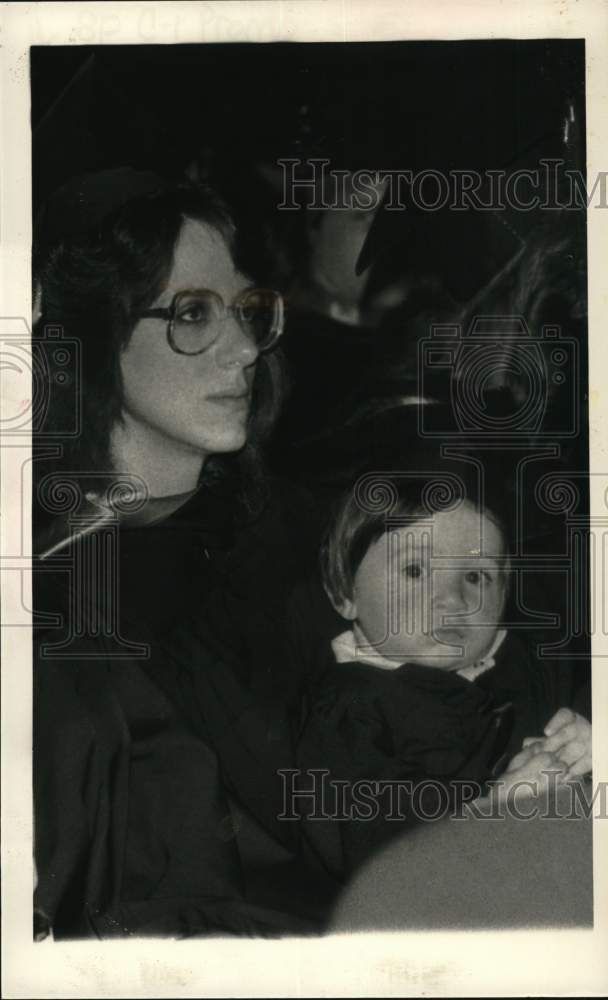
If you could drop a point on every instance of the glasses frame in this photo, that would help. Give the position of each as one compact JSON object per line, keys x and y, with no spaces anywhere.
{"x":168,"y":313}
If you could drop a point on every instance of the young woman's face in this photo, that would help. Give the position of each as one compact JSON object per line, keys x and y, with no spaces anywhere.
{"x":433,"y":594}
{"x":197,"y":403}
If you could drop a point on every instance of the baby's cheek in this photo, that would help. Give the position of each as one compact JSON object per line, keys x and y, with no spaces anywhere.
{"x":478,"y":643}
{"x":374,"y":619}
{"x":491,"y":606}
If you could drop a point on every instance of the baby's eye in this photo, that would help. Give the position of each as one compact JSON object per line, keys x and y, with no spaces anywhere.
{"x":413,"y":571}
{"x":475,"y":576}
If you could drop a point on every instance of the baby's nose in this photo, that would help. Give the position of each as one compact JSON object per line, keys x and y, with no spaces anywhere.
{"x":449,"y":592}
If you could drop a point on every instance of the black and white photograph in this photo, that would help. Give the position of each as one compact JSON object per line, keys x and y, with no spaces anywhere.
{"x":307,"y":565}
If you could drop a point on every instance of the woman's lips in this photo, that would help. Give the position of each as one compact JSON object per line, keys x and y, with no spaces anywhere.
{"x":233,"y":399}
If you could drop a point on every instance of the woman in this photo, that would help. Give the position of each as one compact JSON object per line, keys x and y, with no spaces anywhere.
{"x":161,"y":714}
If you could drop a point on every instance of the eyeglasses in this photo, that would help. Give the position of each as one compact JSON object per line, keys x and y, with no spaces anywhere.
{"x":194,"y":319}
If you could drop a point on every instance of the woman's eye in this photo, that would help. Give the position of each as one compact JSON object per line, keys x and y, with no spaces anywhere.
{"x":197,"y":312}
{"x":475,"y":576}
{"x":413,"y":571}
{"x":249,"y":313}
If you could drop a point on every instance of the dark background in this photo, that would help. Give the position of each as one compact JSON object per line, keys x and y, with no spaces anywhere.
{"x":480,"y":105}
{"x":226,"y":113}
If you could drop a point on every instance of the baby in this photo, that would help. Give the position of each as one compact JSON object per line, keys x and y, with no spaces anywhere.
{"x":426,"y":683}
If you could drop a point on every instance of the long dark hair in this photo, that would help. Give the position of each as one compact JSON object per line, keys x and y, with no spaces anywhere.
{"x":93,"y":283}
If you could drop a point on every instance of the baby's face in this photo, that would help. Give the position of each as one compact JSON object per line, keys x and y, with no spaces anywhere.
{"x":433,"y":592}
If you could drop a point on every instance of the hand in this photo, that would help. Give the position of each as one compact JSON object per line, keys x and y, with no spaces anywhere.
{"x":568,"y":736}
{"x":526,"y":774}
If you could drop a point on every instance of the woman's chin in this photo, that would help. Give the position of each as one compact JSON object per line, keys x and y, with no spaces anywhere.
{"x":225,"y":442}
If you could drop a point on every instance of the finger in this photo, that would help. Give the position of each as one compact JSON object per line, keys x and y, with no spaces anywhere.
{"x":533,"y":775}
{"x":561,"y":718}
{"x":567,"y":734}
{"x":580,"y":767}
{"x":534,"y":768}
{"x":573,"y":751}
{"x":546,"y":761}
{"x":519,"y":760}
{"x":531,"y":740}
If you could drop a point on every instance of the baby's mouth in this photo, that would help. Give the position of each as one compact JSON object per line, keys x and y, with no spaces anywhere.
{"x":449,"y":634}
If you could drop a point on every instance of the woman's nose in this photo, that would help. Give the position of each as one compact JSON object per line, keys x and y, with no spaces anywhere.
{"x":235,"y":347}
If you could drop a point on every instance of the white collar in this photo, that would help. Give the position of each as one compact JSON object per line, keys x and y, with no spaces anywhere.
{"x":349,"y":647}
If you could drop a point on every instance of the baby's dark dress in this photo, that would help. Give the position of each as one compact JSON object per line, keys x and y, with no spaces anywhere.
{"x":438,"y":737}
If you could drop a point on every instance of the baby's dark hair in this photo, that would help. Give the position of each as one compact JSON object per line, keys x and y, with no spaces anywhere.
{"x":379,"y":501}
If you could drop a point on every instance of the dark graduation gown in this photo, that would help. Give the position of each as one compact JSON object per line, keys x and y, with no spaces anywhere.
{"x":155,"y":775}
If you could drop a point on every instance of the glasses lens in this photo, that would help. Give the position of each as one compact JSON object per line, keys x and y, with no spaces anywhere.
{"x":261,"y":315}
{"x":196,"y":321}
